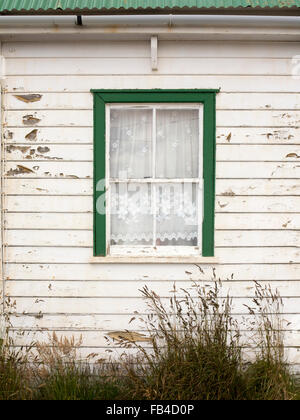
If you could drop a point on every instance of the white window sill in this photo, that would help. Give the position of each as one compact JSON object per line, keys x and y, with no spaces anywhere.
{"x":154,"y":260}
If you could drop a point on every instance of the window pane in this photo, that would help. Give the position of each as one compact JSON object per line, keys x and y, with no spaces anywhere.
{"x":177,"y":143}
{"x":131,"y":143}
{"x":176,"y":214}
{"x":131,"y":218}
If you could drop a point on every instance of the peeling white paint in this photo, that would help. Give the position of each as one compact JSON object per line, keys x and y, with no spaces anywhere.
{"x":49,"y":184}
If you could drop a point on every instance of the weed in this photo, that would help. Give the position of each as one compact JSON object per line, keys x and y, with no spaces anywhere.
{"x":195,"y":349}
{"x":61,"y":375}
{"x":197,"y":353}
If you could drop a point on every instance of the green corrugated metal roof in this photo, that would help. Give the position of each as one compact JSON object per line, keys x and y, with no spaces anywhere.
{"x":15,"y":6}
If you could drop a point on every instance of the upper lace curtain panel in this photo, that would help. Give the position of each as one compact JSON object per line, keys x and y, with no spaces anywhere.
{"x":152,"y":145}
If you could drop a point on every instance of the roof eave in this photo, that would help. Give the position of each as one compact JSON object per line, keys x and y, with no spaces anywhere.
{"x":274,"y":11}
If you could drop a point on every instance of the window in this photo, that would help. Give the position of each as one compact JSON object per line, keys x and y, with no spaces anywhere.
{"x":154,"y":170}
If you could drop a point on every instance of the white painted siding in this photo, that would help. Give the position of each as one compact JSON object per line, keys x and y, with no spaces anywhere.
{"x":49,"y":169}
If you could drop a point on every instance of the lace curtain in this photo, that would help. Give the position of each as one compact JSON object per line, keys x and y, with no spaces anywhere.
{"x":153,"y":212}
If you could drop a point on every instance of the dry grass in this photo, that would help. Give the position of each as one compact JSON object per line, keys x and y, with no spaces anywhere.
{"x":15,"y":372}
{"x":197,"y":353}
{"x":15,"y":375}
{"x":61,"y":375}
{"x":268,"y":376}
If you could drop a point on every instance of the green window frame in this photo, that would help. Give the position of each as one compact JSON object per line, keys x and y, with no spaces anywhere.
{"x":205,"y":96}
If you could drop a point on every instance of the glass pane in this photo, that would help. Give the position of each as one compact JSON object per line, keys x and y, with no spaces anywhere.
{"x":177,"y":143}
{"x":131,"y":218}
{"x":130,"y":143}
{"x":176,"y":214}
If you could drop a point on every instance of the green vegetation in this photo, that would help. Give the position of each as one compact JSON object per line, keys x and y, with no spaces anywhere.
{"x":198,"y":350}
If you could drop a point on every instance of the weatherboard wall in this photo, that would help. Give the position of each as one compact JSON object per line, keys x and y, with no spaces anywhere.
{"x":49,"y":168}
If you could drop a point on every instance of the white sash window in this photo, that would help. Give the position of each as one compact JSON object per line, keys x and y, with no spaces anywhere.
{"x":154,"y":179}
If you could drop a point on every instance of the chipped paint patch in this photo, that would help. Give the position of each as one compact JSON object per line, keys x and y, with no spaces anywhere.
{"x":292,"y":155}
{"x":128,"y":336}
{"x":11,"y":148}
{"x":228,"y":193}
{"x":32,"y":135}
{"x":285,"y":224}
{"x":29,"y":98}
{"x":222,"y":205}
{"x":41,"y":149}
{"x":30,"y":120}
{"x":8,"y":135}
{"x":39,"y":153}
{"x":19,"y":170}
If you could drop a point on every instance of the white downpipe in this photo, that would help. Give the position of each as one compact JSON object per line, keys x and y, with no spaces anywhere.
{"x":151,"y":20}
